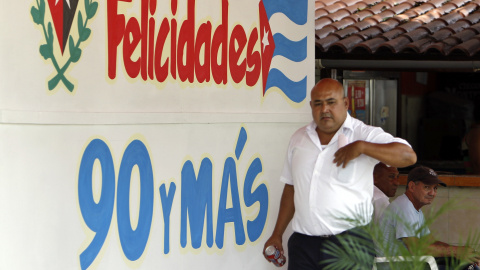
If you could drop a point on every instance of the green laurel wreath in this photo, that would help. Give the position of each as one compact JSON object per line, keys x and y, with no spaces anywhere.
{"x":46,"y":50}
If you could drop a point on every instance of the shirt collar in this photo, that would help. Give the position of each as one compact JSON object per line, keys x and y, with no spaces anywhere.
{"x":378,"y":193}
{"x":347,"y":124}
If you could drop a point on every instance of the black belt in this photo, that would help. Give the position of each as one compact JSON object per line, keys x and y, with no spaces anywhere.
{"x":333,"y":235}
{"x":326,"y":236}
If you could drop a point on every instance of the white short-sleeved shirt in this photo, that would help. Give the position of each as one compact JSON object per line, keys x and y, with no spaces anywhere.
{"x":380,"y":203}
{"x":400,"y":220}
{"x":327,"y":195}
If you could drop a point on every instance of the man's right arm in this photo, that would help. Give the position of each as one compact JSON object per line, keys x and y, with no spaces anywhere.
{"x":285,"y":215}
{"x":441,"y":249}
{"x":460,"y":252}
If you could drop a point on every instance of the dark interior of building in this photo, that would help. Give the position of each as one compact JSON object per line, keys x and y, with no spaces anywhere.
{"x":445,"y":104}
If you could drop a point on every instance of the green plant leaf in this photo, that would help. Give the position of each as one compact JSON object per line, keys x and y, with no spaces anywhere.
{"x":75,"y":56}
{"x":35,"y":15}
{"x":80,"y":22}
{"x":75,"y":52}
{"x":42,"y":9}
{"x":71,"y":45}
{"x":50,"y":34}
{"x":92,"y":9}
{"x":53,"y":82}
{"x":46,"y":51}
{"x":87,"y":4}
{"x":85,"y":34}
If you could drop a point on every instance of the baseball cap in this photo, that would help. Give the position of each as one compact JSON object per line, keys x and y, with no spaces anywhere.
{"x":425,"y":175}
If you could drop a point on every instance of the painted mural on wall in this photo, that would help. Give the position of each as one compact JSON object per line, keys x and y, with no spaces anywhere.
{"x":196,"y":201}
{"x":63,"y":12}
{"x":145,"y":134}
{"x":179,"y":50}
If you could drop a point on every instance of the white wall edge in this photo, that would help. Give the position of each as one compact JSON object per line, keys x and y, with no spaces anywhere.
{"x":115,"y":118}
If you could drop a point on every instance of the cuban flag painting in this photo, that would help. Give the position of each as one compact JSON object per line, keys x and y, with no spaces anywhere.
{"x":289,"y":47}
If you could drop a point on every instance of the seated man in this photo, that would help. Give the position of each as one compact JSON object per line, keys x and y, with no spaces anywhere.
{"x":386,"y":182}
{"x":403,"y":222}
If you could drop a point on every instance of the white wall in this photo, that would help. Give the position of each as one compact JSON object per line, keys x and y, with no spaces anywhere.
{"x":153,"y":134}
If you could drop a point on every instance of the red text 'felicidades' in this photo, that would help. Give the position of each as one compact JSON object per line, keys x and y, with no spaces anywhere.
{"x":222,"y":49}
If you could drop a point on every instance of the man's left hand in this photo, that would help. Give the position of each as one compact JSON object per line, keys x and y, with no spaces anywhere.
{"x":348,"y":153}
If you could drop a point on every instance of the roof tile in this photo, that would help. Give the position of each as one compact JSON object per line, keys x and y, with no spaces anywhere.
{"x":446,"y":45}
{"x":319,"y":5}
{"x":469,"y":47}
{"x":437,"y":3}
{"x":472,"y":18}
{"x":434,"y":26}
{"x":458,"y":3}
{"x":353,"y":9}
{"x":456,"y":27}
{"x":349,"y":3}
{"x":391,"y":27}
{"x":326,"y":2}
{"x":348,"y":43}
{"x":373,"y":44}
{"x":419,"y":33}
{"x":334,"y":7}
{"x":388,"y":25}
{"x":322,"y":22}
{"x":319,"y":13}
{"x":451,"y":17}
{"x":453,"y":27}
{"x":322,"y":33}
{"x":327,"y":42}
{"x":343,"y":23}
{"x":398,"y":9}
{"x":397,"y":31}
{"x":466,"y":34}
{"x":372,"y":32}
{"x":395,"y":45}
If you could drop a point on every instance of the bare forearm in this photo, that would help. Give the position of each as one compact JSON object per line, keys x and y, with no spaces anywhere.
{"x":286,"y":211}
{"x":393,"y":154}
{"x":435,"y":249}
{"x":285,"y":214}
{"x":441,"y":249}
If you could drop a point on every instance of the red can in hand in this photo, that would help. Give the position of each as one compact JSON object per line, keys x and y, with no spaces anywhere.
{"x":274,"y":255}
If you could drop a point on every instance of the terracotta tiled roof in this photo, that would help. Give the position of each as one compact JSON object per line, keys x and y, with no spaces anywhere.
{"x":397,"y":29}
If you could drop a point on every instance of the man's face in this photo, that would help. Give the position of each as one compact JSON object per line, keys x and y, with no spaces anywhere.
{"x":386,"y":179}
{"x":423,"y":194}
{"x":329,"y":107}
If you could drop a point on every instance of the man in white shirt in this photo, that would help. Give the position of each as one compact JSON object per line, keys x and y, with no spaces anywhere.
{"x":386,"y":182}
{"x":403,"y":222}
{"x":328,"y":176}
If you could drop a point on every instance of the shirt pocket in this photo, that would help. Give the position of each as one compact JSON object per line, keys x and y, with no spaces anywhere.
{"x":345,"y":175}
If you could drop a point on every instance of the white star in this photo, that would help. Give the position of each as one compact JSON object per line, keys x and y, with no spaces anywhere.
{"x":265,"y":39}
{"x":68,"y":2}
